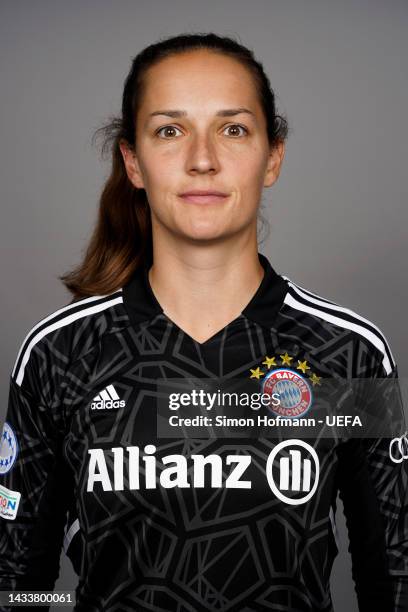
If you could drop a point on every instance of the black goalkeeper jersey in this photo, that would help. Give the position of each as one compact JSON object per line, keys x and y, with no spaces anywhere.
{"x":146,"y":522}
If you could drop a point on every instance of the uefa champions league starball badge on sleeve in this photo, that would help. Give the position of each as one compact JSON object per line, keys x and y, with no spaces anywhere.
{"x":8,"y":448}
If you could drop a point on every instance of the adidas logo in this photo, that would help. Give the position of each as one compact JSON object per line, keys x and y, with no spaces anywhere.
{"x":106,"y":399}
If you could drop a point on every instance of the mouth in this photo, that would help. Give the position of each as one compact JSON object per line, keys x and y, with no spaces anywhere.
{"x":201,"y":196}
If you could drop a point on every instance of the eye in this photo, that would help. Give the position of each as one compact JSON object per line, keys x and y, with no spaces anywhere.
{"x":236,"y":127}
{"x":169,"y":128}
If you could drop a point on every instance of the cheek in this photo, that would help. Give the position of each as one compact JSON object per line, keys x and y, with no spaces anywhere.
{"x":157,"y":176}
{"x":249,"y":178}
{"x":168,"y":162}
{"x":257,"y":166}
{"x":160,"y":187}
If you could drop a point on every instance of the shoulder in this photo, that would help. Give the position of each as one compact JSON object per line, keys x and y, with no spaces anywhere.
{"x":366,"y":335}
{"x":64,"y":334}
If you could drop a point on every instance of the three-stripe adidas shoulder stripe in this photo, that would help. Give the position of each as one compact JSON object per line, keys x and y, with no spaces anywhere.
{"x":60,"y":318}
{"x":302,"y":299}
{"x":106,"y":399}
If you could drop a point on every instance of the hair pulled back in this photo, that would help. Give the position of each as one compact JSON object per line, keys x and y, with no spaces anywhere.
{"x":121,"y":240}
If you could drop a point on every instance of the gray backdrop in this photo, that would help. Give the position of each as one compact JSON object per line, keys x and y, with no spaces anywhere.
{"x":338,"y":213}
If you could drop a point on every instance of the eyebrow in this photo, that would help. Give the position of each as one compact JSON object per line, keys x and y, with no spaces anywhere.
{"x":226,"y":112}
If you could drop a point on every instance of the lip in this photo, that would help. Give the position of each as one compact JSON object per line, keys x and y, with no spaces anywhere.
{"x":203,"y":196}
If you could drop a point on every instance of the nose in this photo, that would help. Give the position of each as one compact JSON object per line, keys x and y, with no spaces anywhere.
{"x":202,"y":155}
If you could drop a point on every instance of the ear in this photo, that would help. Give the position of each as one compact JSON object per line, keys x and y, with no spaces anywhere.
{"x":274,"y":164}
{"x":131,"y":164}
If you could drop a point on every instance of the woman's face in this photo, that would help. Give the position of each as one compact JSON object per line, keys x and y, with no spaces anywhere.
{"x":200,"y":127}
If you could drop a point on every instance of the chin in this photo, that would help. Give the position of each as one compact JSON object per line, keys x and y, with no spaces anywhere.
{"x":207,"y":234}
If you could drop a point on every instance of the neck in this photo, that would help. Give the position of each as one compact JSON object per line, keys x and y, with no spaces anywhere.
{"x":203,"y":288}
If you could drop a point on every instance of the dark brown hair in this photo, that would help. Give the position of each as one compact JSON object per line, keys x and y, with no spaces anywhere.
{"x":122,"y":237}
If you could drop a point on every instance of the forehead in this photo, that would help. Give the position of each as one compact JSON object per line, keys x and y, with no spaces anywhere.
{"x":199,"y":78}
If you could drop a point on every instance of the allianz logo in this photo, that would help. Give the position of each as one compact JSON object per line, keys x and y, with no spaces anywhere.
{"x":107,"y":399}
{"x":292,"y":470}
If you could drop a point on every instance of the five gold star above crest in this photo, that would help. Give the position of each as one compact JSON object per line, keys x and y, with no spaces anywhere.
{"x":286,"y":359}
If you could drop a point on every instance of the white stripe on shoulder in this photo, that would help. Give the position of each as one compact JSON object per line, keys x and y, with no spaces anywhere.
{"x":86,"y":311}
{"x":363,"y":331}
{"x":53,"y":315}
{"x":309,"y":293}
{"x":334,"y":306}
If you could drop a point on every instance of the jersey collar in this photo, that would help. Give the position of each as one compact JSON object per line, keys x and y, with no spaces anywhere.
{"x":142,"y":305}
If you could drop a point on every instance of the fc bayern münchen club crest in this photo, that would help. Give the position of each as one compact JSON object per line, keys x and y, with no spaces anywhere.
{"x":8,"y":448}
{"x":294,"y":392}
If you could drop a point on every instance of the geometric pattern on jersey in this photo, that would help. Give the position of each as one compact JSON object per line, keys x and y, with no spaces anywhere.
{"x":195,"y":549}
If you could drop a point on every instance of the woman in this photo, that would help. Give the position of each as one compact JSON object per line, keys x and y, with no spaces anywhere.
{"x":172,"y":286}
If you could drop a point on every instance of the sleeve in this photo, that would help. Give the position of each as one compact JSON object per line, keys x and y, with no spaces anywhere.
{"x":373,"y":485}
{"x":34,"y":487}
